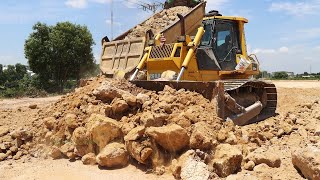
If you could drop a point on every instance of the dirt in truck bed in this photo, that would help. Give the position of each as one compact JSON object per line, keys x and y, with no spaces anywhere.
{"x":111,"y":128}
{"x":158,"y":22}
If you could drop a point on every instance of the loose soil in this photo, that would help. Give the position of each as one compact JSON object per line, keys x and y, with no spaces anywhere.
{"x":298,"y":117}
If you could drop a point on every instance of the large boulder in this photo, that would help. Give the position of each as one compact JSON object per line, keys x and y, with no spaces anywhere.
{"x":130,"y":99}
{"x":190,"y":166}
{"x":80,"y":136}
{"x":149,"y":119}
{"x":307,"y":160}
{"x":103,"y":130}
{"x":139,"y":149}
{"x":119,"y":106}
{"x":113,"y":155}
{"x":50,"y":122}
{"x":172,"y":137}
{"x":71,"y":121}
{"x":107,"y":92}
{"x":22,"y":134}
{"x":201,"y":137}
{"x":56,"y":153}
{"x":89,"y":159}
{"x":142,"y":98}
{"x":261,"y":155}
{"x":193,"y":169}
{"x":68,"y":150}
{"x":227,"y":160}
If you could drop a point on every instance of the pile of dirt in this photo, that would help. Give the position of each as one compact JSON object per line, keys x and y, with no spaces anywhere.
{"x":113,"y":123}
{"x":158,"y":22}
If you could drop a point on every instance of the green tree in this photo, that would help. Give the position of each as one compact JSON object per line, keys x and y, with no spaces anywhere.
{"x":59,"y":53}
{"x":280,"y":75}
{"x":2,"y":79}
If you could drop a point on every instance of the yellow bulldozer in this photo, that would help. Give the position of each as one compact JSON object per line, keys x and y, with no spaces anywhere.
{"x":211,"y":59}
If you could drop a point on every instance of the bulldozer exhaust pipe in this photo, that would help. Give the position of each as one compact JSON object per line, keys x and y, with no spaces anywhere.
{"x":181,"y":74}
{"x":134,"y":75}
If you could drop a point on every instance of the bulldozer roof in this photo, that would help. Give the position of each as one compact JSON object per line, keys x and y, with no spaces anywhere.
{"x":228,"y":18}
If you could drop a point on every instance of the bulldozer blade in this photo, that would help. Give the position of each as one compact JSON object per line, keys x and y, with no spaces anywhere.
{"x":207,"y":89}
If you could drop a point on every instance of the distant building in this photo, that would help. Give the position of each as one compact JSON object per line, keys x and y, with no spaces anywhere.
{"x":290,"y":74}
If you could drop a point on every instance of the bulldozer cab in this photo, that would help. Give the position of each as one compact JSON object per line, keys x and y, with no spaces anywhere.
{"x":219,"y":45}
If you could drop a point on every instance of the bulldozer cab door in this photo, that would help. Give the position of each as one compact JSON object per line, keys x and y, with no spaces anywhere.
{"x":226,"y":43}
{"x":219,"y":46}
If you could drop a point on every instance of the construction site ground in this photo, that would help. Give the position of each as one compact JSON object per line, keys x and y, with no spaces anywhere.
{"x":292,"y":97}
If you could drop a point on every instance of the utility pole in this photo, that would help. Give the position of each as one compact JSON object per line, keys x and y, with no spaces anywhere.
{"x":111,"y":4}
{"x":310,"y":69}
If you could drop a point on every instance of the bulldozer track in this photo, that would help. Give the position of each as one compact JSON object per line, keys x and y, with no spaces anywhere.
{"x":270,"y":89}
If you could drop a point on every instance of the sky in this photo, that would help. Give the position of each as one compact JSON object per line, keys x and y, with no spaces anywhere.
{"x":284,"y":34}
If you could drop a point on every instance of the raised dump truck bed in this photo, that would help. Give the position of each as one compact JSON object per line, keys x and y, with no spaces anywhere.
{"x":122,"y":55}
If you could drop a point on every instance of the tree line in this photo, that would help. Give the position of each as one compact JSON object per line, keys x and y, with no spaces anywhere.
{"x":58,"y":55}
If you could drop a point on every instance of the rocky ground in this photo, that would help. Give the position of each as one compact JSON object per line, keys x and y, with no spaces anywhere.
{"x":117,"y":128}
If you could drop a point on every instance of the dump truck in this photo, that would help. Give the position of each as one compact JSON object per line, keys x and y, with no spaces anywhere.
{"x":121,"y":55}
{"x":211,"y":60}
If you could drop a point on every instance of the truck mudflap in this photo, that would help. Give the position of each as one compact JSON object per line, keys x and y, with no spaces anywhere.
{"x":242,"y":101}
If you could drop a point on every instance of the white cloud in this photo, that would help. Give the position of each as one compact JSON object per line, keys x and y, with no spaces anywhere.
{"x":264,"y":51}
{"x":79,"y":4}
{"x":284,"y":49}
{"x":298,"y":8}
{"x":271,"y":51}
{"x":294,"y":58}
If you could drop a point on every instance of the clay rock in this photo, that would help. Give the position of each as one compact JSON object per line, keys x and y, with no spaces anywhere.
{"x":135,"y":133}
{"x":50,"y":122}
{"x":249,"y":165}
{"x":139,"y":150}
{"x":33,"y":106}
{"x":4,"y":130}
{"x":103,"y":130}
{"x":18,"y":155}
{"x":260,"y":156}
{"x":68,"y":150}
{"x":142,"y":98}
{"x":113,"y":155}
{"x":107,"y":92}
{"x":83,"y":149}
{"x":307,"y":160}
{"x":56,"y":153}
{"x":227,"y":160}
{"x":71,"y":121}
{"x":130,"y":99}
{"x":3,"y":156}
{"x":22,"y":134}
{"x":119,"y":106}
{"x":80,"y":136}
{"x":148,"y":119}
{"x":172,"y":137}
{"x":89,"y":159}
{"x":194,"y":170}
{"x":181,"y":161}
{"x":201,"y":137}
